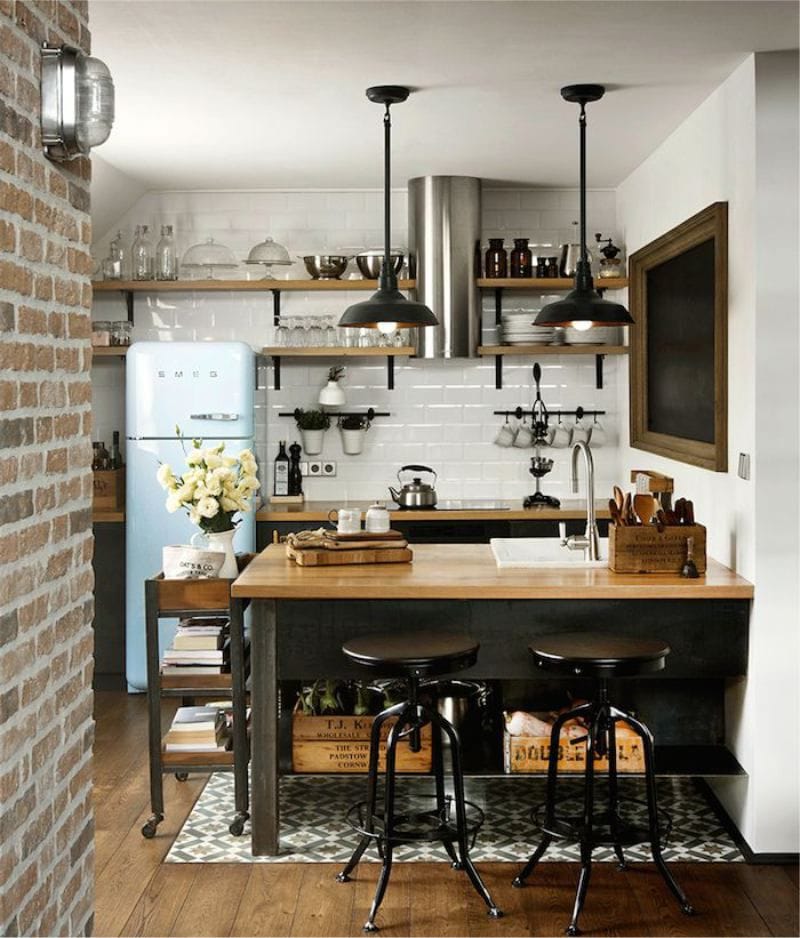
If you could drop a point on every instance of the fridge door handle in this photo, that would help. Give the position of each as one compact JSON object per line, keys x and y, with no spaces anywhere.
{"x":214,"y":416}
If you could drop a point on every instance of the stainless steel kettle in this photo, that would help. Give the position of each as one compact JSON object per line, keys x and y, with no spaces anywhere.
{"x":415,"y":494}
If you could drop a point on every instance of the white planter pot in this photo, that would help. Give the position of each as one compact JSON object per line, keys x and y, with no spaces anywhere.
{"x":221,"y":542}
{"x":353,"y":441}
{"x":331,"y":397}
{"x":312,"y":441}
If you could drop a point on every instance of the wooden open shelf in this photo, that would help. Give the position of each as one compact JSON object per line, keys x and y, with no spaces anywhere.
{"x":99,"y":516}
{"x":335,"y":351}
{"x":553,"y":350}
{"x":547,"y":283}
{"x":109,"y":351}
{"x":241,"y":286}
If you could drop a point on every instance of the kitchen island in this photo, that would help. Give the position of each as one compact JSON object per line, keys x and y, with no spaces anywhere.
{"x":302,"y":615}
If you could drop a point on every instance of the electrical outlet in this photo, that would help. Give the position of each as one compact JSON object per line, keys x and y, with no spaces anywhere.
{"x":329,"y":468}
{"x":314,"y":467}
{"x":304,"y":467}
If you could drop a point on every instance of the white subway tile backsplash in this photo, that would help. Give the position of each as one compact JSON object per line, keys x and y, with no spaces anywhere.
{"x":441,"y":411}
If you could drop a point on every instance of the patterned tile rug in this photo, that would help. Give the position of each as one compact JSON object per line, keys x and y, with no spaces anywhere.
{"x":313,"y":828}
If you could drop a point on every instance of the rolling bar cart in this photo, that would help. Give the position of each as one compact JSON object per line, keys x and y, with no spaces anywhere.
{"x":174,"y":599}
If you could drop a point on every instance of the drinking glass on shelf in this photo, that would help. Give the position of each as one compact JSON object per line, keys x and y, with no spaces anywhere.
{"x":307,"y":324}
{"x":315,"y":331}
{"x":348,"y":338}
{"x":293,"y":332}
{"x":331,"y":338}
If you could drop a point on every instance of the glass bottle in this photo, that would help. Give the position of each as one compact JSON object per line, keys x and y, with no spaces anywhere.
{"x":281,"y":480}
{"x":521,"y":259}
{"x":541,"y":266}
{"x":116,"y":455}
{"x":166,"y":259}
{"x":496,"y":259}
{"x":116,"y":254}
{"x":142,"y":255}
{"x":103,"y":457}
{"x":96,"y":456}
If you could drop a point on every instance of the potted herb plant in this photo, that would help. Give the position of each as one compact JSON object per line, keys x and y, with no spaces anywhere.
{"x":312,"y":424}
{"x":353,"y":429}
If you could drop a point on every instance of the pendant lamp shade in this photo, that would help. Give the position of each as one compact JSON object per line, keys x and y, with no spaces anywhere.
{"x":583,"y":307}
{"x":387,"y":309}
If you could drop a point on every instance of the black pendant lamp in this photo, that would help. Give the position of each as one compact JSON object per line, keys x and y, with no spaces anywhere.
{"x":583,"y":307}
{"x":387,"y":309}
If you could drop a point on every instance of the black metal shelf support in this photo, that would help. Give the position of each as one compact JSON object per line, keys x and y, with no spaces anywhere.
{"x":520,"y":412}
{"x":498,"y":359}
{"x":370,"y":413}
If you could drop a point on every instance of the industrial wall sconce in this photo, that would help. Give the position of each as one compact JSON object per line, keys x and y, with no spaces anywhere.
{"x":77,"y":102}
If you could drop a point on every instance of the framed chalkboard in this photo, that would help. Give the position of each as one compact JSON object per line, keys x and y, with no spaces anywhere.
{"x":679,"y":346}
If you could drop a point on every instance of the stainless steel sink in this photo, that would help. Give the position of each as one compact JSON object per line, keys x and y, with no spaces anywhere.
{"x":542,"y":552}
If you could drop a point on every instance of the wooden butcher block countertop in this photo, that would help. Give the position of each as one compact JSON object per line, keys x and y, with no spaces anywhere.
{"x":469,"y":571}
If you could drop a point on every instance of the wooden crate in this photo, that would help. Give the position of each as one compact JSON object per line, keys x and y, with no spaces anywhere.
{"x":645,"y":549}
{"x":109,"y":489}
{"x":341,"y":744}
{"x":529,"y":754}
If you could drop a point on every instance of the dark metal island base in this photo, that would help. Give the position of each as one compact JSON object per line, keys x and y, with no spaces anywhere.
{"x":302,"y":615}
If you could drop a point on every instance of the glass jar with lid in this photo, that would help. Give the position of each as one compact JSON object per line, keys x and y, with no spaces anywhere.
{"x":121,"y":332}
{"x":101,"y":333}
{"x":521,"y":259}
{"x":496,"y":259}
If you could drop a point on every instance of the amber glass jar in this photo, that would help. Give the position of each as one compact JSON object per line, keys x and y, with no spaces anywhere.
{"x":521,"y":259}
{"x":496,"y":259}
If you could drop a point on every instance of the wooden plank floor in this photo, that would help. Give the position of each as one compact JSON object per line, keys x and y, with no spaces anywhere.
{"x":137,"y":894}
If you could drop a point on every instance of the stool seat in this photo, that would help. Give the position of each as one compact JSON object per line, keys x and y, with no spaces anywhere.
{"x":598,"y":654}
{"x":403,"y":652}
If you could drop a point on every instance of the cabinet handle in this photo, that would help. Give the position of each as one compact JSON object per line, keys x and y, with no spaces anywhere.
{"x":214,"y":416}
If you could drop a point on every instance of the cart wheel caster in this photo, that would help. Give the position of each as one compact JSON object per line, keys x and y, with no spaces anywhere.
{"x":181,"y":776}
{"x":237,"y":824}
{"x":150,"y":825}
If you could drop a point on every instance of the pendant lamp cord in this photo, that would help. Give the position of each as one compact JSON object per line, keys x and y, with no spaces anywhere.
{"x":582,"y":124}
{"x":387,"y":200}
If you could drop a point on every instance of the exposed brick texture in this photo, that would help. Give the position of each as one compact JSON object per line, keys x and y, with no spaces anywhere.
{"x":46,"y":607}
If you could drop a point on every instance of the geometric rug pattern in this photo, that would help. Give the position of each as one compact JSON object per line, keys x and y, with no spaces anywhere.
{"x":314,"y":830}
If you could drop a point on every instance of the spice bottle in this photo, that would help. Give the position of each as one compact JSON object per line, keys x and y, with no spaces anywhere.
{"x":521,"y":259}
{"x":496,"y":259}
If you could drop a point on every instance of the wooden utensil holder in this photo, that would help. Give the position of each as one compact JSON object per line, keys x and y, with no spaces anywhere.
{"x":645,"y":549}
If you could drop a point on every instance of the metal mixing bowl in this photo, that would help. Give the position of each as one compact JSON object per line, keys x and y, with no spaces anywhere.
{"x":326,"y":266}
{"x":369,"y":263}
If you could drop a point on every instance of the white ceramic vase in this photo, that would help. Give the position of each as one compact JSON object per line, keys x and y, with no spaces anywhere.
{"x":312,"y":441}
{"x":353,"y":441}
{"x":222,"y":542}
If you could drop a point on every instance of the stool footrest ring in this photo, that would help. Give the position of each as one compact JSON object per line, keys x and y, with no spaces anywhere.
{"x":415,"y":826}
{"x":604,"y":832}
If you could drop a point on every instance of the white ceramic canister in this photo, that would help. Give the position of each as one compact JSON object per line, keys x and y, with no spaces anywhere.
{"x":377,"y":520}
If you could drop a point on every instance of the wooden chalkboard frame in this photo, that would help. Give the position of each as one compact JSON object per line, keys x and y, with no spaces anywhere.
{"x":709,"y":224}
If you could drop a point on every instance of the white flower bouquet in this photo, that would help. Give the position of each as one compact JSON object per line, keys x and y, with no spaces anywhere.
{"x":214,"y":487}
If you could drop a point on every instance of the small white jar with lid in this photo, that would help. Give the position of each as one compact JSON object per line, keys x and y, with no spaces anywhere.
{"x":377,"y":520}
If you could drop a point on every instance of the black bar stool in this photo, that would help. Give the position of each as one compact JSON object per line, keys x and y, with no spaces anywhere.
{"x":414,"y":655}
{"x":601,"y":656}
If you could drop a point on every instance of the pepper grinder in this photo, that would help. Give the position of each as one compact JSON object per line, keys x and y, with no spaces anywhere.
{"x":295,"y":475}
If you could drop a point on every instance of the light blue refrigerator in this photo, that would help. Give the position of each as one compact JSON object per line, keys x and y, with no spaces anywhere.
{"x":206,"y":389}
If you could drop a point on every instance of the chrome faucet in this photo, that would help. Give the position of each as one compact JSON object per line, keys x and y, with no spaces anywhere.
{"x":590,"y":541}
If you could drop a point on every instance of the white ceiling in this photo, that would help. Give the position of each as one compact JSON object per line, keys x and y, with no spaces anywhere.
{"x":262,"y":94}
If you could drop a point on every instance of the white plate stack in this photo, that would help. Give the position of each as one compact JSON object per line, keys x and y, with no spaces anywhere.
{"x":517,"y":328}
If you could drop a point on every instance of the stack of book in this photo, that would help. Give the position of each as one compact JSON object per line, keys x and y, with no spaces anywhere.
{"x":200,"y":646}
{"x":197,"y":729}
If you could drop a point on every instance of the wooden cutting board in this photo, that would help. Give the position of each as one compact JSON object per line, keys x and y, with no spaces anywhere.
{"x":390,"y":535}
{"x":314,"y":557}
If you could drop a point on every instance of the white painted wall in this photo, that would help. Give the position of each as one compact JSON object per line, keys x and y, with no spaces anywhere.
{"x":739,"y":147}
{"x":441,"y":410}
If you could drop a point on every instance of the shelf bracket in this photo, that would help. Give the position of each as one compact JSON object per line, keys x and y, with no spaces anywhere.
{"x":498,"y":305}
{"x":128,"y":295}
{"x":498,"y":372}
{"x":390,"y":372}
{"x":598,"y":371}
{"x":276,"y":364}
{"x":276,"y":307}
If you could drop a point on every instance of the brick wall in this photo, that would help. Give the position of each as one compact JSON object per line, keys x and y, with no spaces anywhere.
{"x":46,"y":606}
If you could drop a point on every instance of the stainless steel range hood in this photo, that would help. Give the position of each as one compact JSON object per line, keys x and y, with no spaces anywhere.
{"x":444,"y":230}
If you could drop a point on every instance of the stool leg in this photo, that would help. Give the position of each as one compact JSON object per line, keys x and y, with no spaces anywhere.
{"x":587,"y":843}
{"x":613,"y":792}
{"x":461,"y":813}
{"x":441,"y":800}
{"x":550,"y":795}
{"x":652,"y":809}
{"x":388,"y":818}
{"x":372,"y":787}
